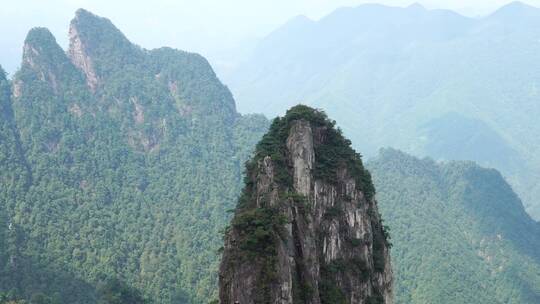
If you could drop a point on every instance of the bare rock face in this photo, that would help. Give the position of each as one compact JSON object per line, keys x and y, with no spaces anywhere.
{"x":307,"y":228}
{"x":300,"y":145}
{"x":80,"y":58}
{"x":96,"y":45}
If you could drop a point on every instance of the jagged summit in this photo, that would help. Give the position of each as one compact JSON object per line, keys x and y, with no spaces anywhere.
{"x":44,"y":58}
{"x":306,"y":228}
{"x":96,"y":46}
{"x":99,"y":33}
{"x":90,"y":26}
{"x":99,"y":54}
{"x":341,"y":154}
{"x":39,"y":35}
{"x":40,"y":42}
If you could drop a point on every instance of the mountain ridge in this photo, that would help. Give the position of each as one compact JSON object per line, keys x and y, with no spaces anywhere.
{"x":118,"y":149}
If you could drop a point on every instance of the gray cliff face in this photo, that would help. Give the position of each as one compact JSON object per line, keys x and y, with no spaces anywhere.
{"x":80,"y":58}
{"x":328,"y":245}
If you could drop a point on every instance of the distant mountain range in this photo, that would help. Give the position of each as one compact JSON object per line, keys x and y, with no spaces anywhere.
{"x":430,"y":82}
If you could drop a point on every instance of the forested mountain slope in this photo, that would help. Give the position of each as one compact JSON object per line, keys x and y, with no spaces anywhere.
{"x":430,"y":82}
{"x":117,"y":167}
{"x":459,"y":233}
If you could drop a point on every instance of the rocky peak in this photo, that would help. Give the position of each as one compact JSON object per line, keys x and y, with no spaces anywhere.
{"x":96,"y":46}
{"x":98,"y":34}
{"x":306,"y":228}
{"x":104,"y":55}
{"x":79,"y":57}
{"x":40,"y":47}
{"x":43,"y":56}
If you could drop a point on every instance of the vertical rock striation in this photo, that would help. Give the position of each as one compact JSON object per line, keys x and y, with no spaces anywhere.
{"x":306,"y":228}
{"x":80,"y":58}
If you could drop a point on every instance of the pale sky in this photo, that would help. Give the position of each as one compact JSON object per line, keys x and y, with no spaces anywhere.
{"x":209,"y":27}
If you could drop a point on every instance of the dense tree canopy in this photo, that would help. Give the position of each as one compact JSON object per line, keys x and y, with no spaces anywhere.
{"x":460,"y":234}
{"x":127,"y":183}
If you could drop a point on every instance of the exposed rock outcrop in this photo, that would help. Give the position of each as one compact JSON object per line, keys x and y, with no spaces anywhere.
{"x":95,"y":44}
{"x":40,"y":52}
{"x":46,"y":62}
{"x":80,"y":59}
{"x":306,"y":229}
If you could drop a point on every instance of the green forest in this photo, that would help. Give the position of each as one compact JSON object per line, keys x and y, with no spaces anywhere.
{"x":122,"y":190}
{"x":459,"y":232}
{"x":120,"y":168}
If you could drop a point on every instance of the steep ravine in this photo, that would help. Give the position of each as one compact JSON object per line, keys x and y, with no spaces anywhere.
{"x":306,"y":228}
